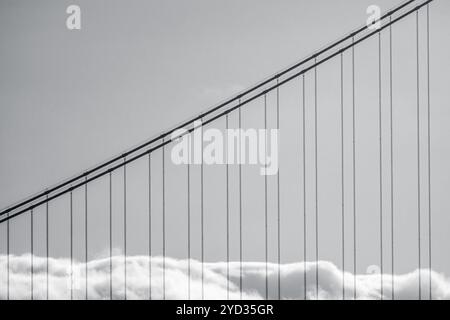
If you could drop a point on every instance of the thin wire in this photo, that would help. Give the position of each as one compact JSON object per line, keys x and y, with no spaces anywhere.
{"x":7,"y":258}
{"x":32,"y":253}
{"x":391,"y":158}
{"x":228,"y":215}
{"x":418,"y":156}
{"x":304,"y":185}
{"x":278,"y":202}
{"x":266,"y":245}
{"x":71,"y":245}
{"x":342,"y":178}
{"x":125,"y":227}
{"x":240,"y":203}
{"x":110,"y":237}
{"x":317,"y":182}
{"x":381,"y":163}
{"x":202,"y":224}
{"x":46,"y":247}
{"x":189,"y":217}
{"x":354,"y":170}
{"x":86,"y":236}
{"x":150,"y":226}
{"x":429,"y":149}
{"x":164,"y":219}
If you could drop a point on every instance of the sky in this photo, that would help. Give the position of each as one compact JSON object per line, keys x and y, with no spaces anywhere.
{"x":71,"y":99}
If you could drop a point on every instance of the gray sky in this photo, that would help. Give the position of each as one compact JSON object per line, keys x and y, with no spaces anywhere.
{"x":71,"y":99}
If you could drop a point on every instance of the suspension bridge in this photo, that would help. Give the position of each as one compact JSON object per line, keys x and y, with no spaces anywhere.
{"x":136,"y":189}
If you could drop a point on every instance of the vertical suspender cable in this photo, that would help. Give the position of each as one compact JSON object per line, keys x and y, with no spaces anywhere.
{"x":46,"y":247}
{"x":316,"y":180}
{"x":266,"y":246}
{"x":278,"y":202}
{"x":110,"y":236}
{"x":125,"y":225}
{"x":418,"y":156}
{"x":7,"y":258}
{"x":228,"y":213}
{"x":189,"y":216}
{"x":240,"y":202}
{"x":71,"y":245}
{"x":354,"y":169}
{"x":32,"y":252}
{"x":164,"y":218}
{"x":429,"y":150}
{"x":391,"y":159}
{"x":304,"y":184}
{"x":86,"y":236}
{"x":150,"y":224}
{"x":202,"y":223}
{"x":381,"y":163}
{"x":342,"y":178}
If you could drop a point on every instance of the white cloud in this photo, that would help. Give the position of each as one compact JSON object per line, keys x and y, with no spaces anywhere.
{"x":215,"y":280}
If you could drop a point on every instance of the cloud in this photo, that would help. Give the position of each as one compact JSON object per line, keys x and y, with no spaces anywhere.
{"x":215,"y":281}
